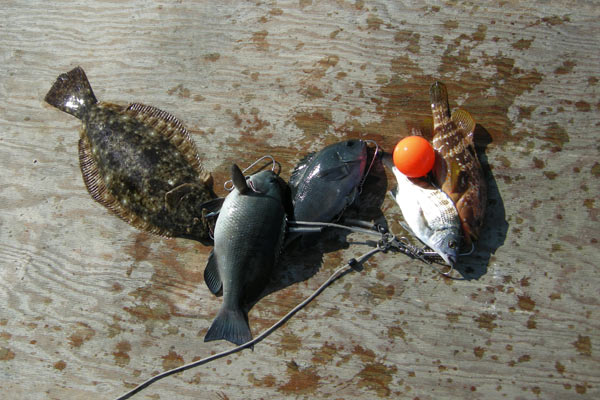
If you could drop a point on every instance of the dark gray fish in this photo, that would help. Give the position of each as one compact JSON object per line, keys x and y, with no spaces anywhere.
{"x":248,"y":238}
{"x":137,"y":161}
{"x":323,"y":184}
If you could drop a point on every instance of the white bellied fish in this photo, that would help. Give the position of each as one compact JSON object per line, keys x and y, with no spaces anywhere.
{"x":430,"y":214}
{"x":248,"y":238}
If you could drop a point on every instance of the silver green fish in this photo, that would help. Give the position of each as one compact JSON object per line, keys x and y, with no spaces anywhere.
{"x":430,"y":215}
{"x":248,"y":238}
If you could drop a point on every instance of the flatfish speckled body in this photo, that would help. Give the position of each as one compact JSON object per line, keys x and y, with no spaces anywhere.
{"x":137,"y":161}
{"x":457,"y":169}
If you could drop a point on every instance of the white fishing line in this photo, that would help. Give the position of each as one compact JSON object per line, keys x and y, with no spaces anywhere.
{"x":352,"y":264}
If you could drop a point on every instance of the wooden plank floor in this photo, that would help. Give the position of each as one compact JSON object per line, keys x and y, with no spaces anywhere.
{"x":90,"y":307}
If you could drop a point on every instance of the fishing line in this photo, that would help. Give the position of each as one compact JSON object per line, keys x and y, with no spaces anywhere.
{"x":353,"y":264}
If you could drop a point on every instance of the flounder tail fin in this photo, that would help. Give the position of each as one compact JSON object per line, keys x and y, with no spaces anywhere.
{"x":231,"y":325}
{"x":72,"y":93}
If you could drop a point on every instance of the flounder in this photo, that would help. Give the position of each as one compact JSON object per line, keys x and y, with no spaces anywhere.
{"x":137,"y":161}
{"x":248,"y":239}
{"x":457,"y":169}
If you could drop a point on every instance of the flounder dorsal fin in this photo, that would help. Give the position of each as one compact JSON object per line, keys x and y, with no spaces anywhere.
{"x":465,"y":121}
{"x":171,"y":128}
{"x":238,"y":179}
{"x":99,"y":192}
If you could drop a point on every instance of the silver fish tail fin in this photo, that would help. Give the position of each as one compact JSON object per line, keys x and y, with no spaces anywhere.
{"x":72,"y":93}
{"x":231,"y":325}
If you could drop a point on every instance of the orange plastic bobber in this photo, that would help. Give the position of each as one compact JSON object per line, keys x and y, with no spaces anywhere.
{"x":414,"y":156}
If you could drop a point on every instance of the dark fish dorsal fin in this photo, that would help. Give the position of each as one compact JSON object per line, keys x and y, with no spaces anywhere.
{"x":172,"y":129}
{"x":465,"y":121}
{"x":212,"y":277}
{"x":300,"y":168}
{"x":99,"y":192}
{"x":238,"y":179}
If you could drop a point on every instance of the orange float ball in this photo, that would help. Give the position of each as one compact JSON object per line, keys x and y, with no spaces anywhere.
{"x":414,"y":156}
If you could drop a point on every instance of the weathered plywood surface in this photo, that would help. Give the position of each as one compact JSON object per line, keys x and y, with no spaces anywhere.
{"x":91,"y":307}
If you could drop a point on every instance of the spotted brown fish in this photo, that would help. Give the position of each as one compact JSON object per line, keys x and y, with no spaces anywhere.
{"x":457,"y":169}
{"x":137,"y":161}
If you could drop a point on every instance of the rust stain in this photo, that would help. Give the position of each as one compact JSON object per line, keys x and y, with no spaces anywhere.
{"x":522,"y":44}
{"x":365,"y":355}
{"x":266,"y":381}
{"x":525,"y":303}
{"x":82,"y":333}
{"x":409,"y":37}
{"x":60,"y":365}
{"x":566,"y":67}
{"x":524,"y":358}
{"x":260,"y":40}
{"x":583,"y":344}
{"x":314,"y":124}
{"x":289,"y":342}
{"x":596,"y":169}
{"x":395,"y":331}
{"x":581,"y":389}
{"x":452,"y":317}
{"x":479,"y":352}
{"x":212,"y":57}
{"x":144,"y":312}
{"x":121,"y":354}
{"x":301,"y":380}
{"x":381,"y":292}
{"x":6,"y":354}
{"x":374,"y":22}
{"x":325,"y":354}
{"x":377,"y":377}
{"x":172,"y":360}
{"x":486,"y":321}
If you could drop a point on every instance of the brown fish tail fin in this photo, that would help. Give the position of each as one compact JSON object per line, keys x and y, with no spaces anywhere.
{"x":72,"y":93}
{"x":231,"y":325}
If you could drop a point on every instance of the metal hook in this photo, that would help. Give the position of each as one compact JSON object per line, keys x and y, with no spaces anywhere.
{"x":228,"y":185}
{"x":362,"y":182}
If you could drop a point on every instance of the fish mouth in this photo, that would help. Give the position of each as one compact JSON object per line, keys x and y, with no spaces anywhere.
{"x":450,"y":259}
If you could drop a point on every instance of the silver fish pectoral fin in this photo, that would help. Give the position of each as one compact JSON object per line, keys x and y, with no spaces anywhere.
{"x":212,"y":278}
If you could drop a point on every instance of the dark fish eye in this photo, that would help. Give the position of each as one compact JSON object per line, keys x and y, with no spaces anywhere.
{"x":452,"y":244}
{"x":350,"y":143}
